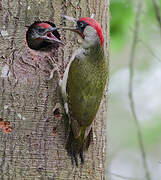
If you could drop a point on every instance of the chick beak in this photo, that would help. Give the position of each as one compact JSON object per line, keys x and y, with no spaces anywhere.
{"x":50,"y":37}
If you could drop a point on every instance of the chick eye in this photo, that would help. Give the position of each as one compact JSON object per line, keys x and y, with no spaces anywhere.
{"x":40,"y":30}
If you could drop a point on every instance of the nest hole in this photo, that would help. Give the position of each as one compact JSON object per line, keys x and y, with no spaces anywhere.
{"x":35,"y":38}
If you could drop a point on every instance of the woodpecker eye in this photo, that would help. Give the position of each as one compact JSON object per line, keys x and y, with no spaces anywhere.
{"x":81,"y":25}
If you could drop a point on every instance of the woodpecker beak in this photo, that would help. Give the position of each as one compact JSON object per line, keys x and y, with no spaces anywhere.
{"x":69,"y":28}
{"x":77,"y":30}
{"x":49,"y":36}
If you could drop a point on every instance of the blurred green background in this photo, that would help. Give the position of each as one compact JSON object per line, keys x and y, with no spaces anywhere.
{"x":124,"y":156}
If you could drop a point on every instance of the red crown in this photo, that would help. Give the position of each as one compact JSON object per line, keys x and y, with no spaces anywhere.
{"x":96,"y":26}
{"x":43,"y":25}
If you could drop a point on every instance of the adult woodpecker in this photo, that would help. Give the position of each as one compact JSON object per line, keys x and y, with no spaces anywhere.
{"x":83,"y":85}
{"x":43,"y":36}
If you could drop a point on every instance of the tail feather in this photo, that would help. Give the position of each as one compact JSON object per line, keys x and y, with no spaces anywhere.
{"x":76,"y":147}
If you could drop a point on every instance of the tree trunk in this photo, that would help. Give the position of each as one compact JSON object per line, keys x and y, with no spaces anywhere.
{"x":29,"y":99}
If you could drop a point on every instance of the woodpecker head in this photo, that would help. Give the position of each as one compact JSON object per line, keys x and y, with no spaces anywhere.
{"x":43,"y":36}
{"x":90,"y":30}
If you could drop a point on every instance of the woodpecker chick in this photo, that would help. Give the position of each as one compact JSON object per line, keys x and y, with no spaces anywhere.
{"x":43,"y":36}
{"x":83,"y":85}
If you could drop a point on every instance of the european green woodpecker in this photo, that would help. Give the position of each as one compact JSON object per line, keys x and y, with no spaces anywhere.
{"x":43,"y":36}
{"x":83,"y":85}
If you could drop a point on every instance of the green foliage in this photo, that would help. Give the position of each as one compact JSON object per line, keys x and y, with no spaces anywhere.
{"x":121,"y":20}
{"x":149,"y":14}
{"x":151,"y":132}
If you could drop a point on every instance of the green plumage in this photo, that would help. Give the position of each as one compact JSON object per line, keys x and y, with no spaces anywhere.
{"x":86,"y":82}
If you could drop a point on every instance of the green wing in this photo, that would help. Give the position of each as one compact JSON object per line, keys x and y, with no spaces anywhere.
{"x":85,"y":85}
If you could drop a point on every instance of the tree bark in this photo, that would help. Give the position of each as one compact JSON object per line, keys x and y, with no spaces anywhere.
{"x":35,"y":148}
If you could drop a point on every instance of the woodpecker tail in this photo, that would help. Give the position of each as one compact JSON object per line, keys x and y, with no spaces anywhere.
{"x":76,"y":147}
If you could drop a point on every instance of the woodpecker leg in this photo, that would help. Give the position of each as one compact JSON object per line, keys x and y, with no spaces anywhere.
{"x":54,"y":70}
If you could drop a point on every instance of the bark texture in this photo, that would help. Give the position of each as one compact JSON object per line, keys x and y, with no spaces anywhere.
{"x":29,"y":94}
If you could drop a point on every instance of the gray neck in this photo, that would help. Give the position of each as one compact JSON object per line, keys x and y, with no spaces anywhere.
{"x":96,"y":52}
{"x":91,"y":43}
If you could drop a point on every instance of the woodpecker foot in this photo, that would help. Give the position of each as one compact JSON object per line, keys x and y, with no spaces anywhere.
{"x":55,"y":70}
